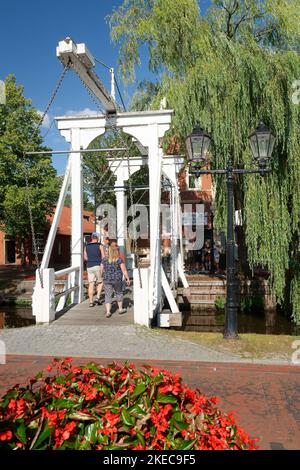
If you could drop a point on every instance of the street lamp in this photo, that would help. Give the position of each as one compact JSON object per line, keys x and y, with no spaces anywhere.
{"x":197,"y":145}
{"x":262,"y":143}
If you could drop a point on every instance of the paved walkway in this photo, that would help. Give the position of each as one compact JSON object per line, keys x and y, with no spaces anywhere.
{"x":266,"y":398}
{"x":83,"y":315}
{"x":109,"y":338}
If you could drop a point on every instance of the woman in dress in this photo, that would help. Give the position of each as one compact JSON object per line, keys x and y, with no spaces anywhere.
{"x":113,"y":269}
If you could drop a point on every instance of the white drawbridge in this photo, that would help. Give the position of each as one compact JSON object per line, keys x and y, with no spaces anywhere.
{"x":147,"y":128}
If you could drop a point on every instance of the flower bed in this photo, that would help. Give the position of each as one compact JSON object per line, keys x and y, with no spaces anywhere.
{"x":114,"y":407}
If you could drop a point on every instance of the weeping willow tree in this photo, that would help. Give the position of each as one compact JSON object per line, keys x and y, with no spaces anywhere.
{"x":229,"y":69}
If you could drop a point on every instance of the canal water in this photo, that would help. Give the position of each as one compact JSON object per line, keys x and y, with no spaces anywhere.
{"x":14,"y":316}
{"x":272,"y":323}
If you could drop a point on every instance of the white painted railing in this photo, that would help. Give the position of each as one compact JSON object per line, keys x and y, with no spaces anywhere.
{"x":70,"y":286}
{"x":44,"y":298}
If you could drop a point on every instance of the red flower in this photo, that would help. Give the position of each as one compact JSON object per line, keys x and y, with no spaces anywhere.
{"x":12,"y":404}
{"x":20,"y":407}
{"x":112,"y":418}
{"x":90,"y":393}
{"x":139,"y":447}
{"x":103,"y":395}
{"x":6,"y":436}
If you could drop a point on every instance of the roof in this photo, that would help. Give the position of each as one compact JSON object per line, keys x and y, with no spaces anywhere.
{"x":64,"y":225}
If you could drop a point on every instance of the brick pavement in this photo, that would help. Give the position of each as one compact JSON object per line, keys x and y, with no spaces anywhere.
{"x":266,"y":398}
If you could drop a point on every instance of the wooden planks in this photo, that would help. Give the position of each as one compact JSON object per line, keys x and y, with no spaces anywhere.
{"x":82,"y":314}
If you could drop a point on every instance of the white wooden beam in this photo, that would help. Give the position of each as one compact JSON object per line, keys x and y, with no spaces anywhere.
{"x":77,"y":215}
{"x":56,"y":218}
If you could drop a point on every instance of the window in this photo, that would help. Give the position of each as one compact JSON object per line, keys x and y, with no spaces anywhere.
{"x":40,"y":244}
{"x":194,"y":182}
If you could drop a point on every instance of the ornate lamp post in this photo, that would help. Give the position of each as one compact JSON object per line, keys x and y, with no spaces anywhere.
{"x":262,"y":143}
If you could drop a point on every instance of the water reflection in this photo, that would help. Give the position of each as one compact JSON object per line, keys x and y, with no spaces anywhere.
{"x":12,"y":316}
{"x":269,"y":322}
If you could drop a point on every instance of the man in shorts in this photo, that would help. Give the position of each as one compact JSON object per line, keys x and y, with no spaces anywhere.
{"x":93,"y":255}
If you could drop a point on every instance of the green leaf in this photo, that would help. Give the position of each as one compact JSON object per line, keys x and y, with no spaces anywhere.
{"x":4,"y":403}
{"x":34,"y":424}
{"x":136,"y":410}
{"x":186,"y":445}
{"x":106,"y":390}
{"x":28,"y":395}
{"x":93,"y":367}
{"x":113,"y":447}
{"x":90,"y":432}
{"x":181,"y":425}
{"x":60,"y":379}
{"x":139,"y":389}
{"x":161,"y":398}
{"x":39,"y":375}
{"x":126,"y":418}
{"x":177,"y":416}
{"x":7,"y":397}
{"x":64,"y":403}
{"x":159,"y":378}
{"x":21,"y":433}
{"x":80,"y":416}
{"x":44,"y":435}
{"x":140,"y":437}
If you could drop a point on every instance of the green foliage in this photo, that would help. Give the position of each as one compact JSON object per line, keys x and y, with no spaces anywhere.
{"x":228,"y":70}
{"x":98,"y":178}
{"x":220,"y":303}
{"x":252,"y":304}
{"x":143,"y":96}
{"x":92,"y":407}
{"x":18,"y":120}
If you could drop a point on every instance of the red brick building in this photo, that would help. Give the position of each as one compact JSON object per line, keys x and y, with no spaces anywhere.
{"x":10,"y":248}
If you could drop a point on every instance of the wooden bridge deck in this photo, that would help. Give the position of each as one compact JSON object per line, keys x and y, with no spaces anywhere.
{"x":82,"y":314}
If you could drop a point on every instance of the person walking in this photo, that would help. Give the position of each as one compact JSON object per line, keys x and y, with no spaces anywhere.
{"x":106,"y":244}
{"x":121,"y":254}
{"x":122,"y":257}
{"x":112,"y":269}
{"x":93,"y":254}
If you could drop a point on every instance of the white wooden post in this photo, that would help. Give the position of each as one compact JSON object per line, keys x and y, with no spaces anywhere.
{"x":55,"y":222}
{"x":141,"y":296}
{"x":121,"y":208}
{"x":77,"y":214}
{"x":43,"y":300}
{"x":155,"y":166}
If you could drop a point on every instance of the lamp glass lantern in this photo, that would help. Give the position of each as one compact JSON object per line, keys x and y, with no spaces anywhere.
{"x":262,"y":144}
{"x":197,"y":145}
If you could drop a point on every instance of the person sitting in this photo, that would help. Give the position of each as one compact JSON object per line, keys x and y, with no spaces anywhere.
{"x":113,"y":269}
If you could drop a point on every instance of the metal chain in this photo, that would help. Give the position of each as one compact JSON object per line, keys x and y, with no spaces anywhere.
{"x":26,"y":172}
{"x":91,"y":94}
{"x":112,"y":125}
{"x":111,"y":121}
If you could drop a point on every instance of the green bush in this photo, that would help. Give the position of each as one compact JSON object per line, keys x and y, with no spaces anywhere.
{"x":253,"y":304}
{"x":220,"y":303}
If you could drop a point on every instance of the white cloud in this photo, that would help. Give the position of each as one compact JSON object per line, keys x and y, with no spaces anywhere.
{"x":82,"y":112}
{"x":46,"y":121}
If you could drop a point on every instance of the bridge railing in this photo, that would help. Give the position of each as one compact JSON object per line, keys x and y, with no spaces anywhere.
{"x":46,"y":301}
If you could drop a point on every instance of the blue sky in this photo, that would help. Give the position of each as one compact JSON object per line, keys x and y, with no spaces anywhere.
{"x":29,"y":33}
